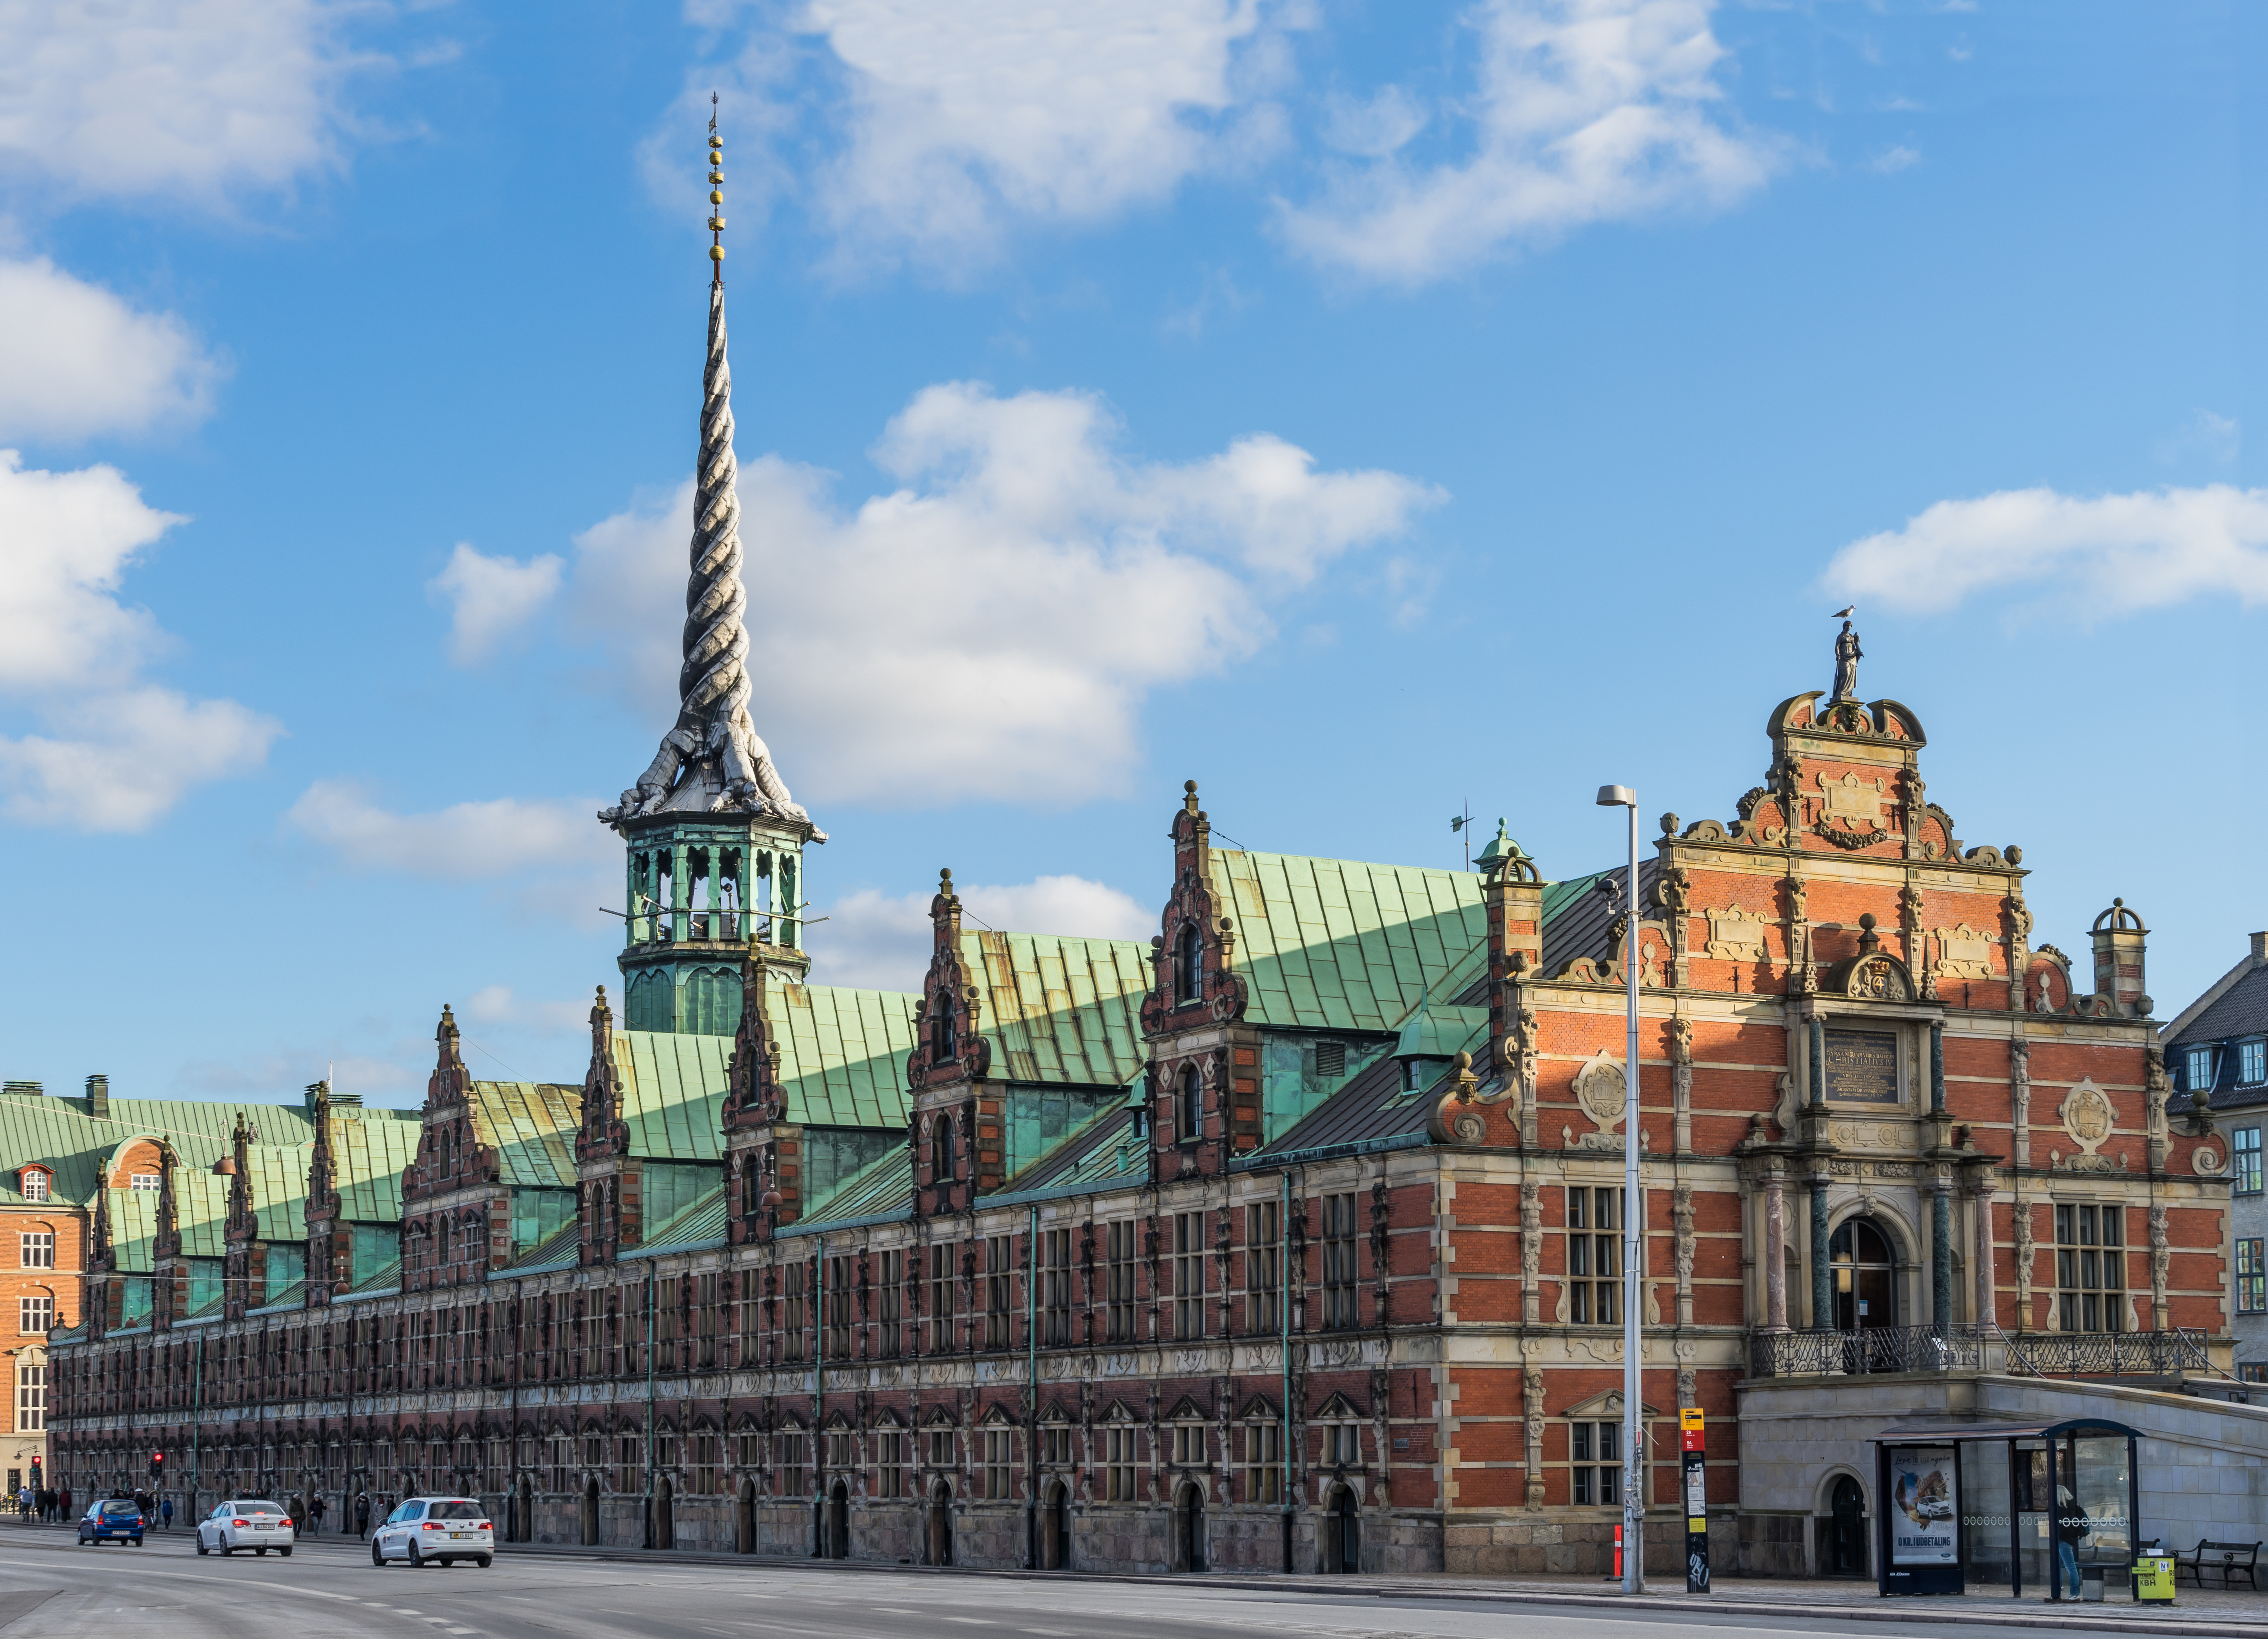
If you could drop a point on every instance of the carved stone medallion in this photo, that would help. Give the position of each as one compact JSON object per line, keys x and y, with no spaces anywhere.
{"x":1599,"y":1091}
{"x":2087,"y":1115}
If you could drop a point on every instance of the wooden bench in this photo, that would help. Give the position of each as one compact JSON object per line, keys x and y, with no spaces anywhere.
{"x":2226,"y":1557}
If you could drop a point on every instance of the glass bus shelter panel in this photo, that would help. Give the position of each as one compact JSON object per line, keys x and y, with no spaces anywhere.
{"x":2094,"y":1469}
{"x":2029,"y":1478}
{"x":1985,"y":1516}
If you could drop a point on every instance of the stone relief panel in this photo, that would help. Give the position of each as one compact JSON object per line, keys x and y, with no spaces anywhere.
{"x":1736,"y":935}
{"x":1964,"y":952}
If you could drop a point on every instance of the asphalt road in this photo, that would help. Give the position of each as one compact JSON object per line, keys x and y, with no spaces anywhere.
{"x":49,"y":1586}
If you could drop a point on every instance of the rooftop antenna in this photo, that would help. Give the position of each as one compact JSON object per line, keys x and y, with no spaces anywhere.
{"x":1462,"y":823}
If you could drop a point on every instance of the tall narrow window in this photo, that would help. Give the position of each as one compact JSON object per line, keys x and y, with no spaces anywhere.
{"x":892,"y":1466}
{"x":940,"y":1149}
{"x":39,"y":1249}
{"x":1263,"y":1462}
{"x":1189,"y":964}
{"x":999,"y":1295}
{"x":2244,"y":1160}
{"x":944,"y":1284}
{"x":940,"y":1446}
{"x":1188,"y":1116}
{"x":892,"y":1297}
{"x":942,"y":1048}
{"x":1188,"y":1274}
{"x":2252,"y":1063}
{"x":1340,"y":1309}
{"x":1595,"y":1460}
{"x":30,"y":1398}
{"x":2252,"y":1276}
{"x":791,"y":1480}
{"x":1054,"y":1288}
{"x":1119,"y":1280}
{"x":791,"y":1316}
{"x":1118,"y":1462}
{"x":2091,"y":1268}
{"x":838,"y":1308}
{"x":1595,"y":1257}
{"x":1262,"y":1226}
{"x":36,"y":1314}
{"x":999,"y":1464}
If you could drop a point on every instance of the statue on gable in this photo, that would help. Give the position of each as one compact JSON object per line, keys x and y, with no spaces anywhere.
{"x":1847,"y":656}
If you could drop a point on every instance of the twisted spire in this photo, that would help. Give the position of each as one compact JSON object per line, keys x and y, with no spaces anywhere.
{"x":712,"y":758}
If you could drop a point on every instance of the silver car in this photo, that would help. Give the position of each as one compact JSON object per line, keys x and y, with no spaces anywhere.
{"x":247,"y":1523}
{"x":433,"y":1530}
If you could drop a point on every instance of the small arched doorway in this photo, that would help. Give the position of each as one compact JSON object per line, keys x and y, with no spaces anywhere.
{"x":938,"y":1550}
{"x":744,"y":1519}
{"x":838,"y":1522}
{"x":1846,"y":1530}
{"x":1055,"y":1529}
{"x":1866,"y":1268}
{"x":591,"y":1513}
{"x":665,"y":1515}
{"x":1341,"y":1533}
{"x":1189,"y":1529}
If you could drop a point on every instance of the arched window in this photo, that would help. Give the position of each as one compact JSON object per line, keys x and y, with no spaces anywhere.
{"x":1866,"y":1276}
{"x":1189,"y":964}
{"x":1190,"y":1115}
{"x":942,"y":1048}
{"x":940,"y":1150}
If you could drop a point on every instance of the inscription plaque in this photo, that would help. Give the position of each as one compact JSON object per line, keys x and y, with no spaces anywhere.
{"x":1862,"y":1067}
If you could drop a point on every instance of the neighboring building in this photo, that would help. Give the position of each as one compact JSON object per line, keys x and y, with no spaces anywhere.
{"x":2218,"y":1047}
{"x":1287,"y":1238}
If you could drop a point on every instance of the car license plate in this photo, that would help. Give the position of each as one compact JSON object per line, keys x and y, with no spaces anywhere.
{"x":460,"y":1535}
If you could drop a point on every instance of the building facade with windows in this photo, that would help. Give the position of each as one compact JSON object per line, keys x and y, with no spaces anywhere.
{"x":1290,"y":1237}
{"x":2217,"y":1048}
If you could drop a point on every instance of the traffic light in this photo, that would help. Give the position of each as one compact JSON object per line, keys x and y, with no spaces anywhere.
{"x":157,"y":1465}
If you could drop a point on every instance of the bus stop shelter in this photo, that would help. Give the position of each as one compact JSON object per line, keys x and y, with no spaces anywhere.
{"x":2037,"y":1505}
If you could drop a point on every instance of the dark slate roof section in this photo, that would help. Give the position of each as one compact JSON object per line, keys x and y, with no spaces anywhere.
{"x":2241,"y":1011}
{"x":1576,"y":914}
{"x":883,"y":1188}
{"x":1105,"y":1149}
{"x":1371,"y":1106}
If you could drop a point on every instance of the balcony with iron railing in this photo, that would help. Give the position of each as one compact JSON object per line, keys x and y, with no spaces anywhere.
{"x":1827,"y":1354}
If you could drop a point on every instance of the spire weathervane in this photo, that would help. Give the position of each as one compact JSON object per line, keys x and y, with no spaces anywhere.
{"x":713,"y":760}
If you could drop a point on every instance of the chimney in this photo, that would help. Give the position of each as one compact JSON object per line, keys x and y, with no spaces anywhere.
{"x":98,"y":1096}
{"x":22,"y":1089}
{"x":2260,"y":950}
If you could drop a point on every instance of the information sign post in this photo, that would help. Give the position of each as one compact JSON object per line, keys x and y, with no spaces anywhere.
{"x":1693,"y":1460}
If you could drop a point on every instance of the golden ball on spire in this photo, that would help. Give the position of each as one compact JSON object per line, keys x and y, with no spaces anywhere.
{"x":716,"y":198}
{"x":716,"y":253}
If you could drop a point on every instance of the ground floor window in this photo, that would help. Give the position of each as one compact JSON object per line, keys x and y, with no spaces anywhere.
{"x":892,"y":1481}
{"x":1118,"y":1463}
{"x":1594,"y":1463}
{"x":1263,"y":1462}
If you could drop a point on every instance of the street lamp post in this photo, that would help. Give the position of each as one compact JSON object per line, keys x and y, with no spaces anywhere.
{"x":1633,"y":1221}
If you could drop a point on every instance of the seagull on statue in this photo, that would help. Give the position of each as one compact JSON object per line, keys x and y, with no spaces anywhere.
{"x":1845,"y":614}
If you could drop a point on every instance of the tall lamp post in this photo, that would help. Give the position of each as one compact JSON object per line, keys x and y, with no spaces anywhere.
{"x":1633,"y":1219}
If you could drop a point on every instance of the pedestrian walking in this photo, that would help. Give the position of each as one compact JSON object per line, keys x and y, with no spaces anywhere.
{"x":315,"y":1515}
{"x":299,"y":1511}
{"x":165,"y":1514}
{"x":361,"y":1513}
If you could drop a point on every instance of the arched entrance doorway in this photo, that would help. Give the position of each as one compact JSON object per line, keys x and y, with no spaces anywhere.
{"x":1055,"y":1529}
{"x":591,"y":1513}
{"x":1189,"y":1529}
{"x":1866,"y":1268}
{"x":665,"y":1515}
{"x":838,"y":1522}
{"x":744,"y":1519}
{"x":1844,"y":1529}
{"x":1341,"y":1533}
{"x":937,"y":1549}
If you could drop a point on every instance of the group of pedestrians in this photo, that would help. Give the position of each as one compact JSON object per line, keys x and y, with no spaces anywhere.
{"x":51,"y":1506}
{"x":43,"y":1503}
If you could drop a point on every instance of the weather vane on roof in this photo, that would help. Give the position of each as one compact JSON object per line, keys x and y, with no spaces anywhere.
{"x":1463,"y":822}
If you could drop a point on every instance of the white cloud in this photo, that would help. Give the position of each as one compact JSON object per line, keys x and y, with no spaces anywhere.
{"x":957,"y":119}
{"x":990,"y":628}
{"x":489,"y":598}
{"x":880,"y":941}
{"x":2105,"y":555}
{"x":498,"y":1005}
{"x":2219,"y":438}
{"x":468,"y":842}
{"x":184,"y":98}
{"x":75,"y":360}
{"x":1586,"y":111}
{"x":119,"y":751}
{"x":1892,"y":161}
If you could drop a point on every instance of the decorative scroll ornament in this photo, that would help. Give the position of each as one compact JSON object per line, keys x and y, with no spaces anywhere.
{"x":711,"y":759}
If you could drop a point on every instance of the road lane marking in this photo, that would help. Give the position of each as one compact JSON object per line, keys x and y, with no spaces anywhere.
{"x":973,"y":1622}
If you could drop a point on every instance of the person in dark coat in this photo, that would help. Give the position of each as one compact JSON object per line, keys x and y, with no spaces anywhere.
{"x":361,"y":1513}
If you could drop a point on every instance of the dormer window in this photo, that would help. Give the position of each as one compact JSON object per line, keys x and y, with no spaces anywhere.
{"x":2200,"y":1069}
{"x":2251,"y":1063}
{"x":1189,"y":964}
{"x":942,"y":1049}
{"x":31,"y":1183}
{"x":148,"y":1182}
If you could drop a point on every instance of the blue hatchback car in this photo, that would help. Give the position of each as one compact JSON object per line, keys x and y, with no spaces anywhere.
{"x":113,"y":1519}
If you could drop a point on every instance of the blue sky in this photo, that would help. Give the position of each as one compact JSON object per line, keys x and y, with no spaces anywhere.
{"x":1361,"y":409}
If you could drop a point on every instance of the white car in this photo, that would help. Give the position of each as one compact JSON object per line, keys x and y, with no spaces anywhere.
{"x":247,"y":1523}
{"x":433,"y":1530}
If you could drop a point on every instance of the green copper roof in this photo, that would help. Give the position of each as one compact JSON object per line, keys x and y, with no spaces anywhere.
{"x":532,"y":1126}
{"x":700,"y":1224}
{"x":1338,"y":944}
{"x":1061,"y":1009}
{"x":842,"y":1054}
{"x":673,"y":1092}
{"x":1435,"y":1032}
{"x":366,"y":1160}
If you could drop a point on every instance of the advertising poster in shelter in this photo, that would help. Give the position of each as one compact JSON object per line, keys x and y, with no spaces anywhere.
{"x":1924,"y":1514}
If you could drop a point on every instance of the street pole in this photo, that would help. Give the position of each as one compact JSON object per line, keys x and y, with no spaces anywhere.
{"x":1633,"y":1220}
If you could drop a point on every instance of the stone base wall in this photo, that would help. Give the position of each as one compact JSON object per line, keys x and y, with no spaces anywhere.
{"x":1552,"y":1545}
{"x":1775,"y":1545}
